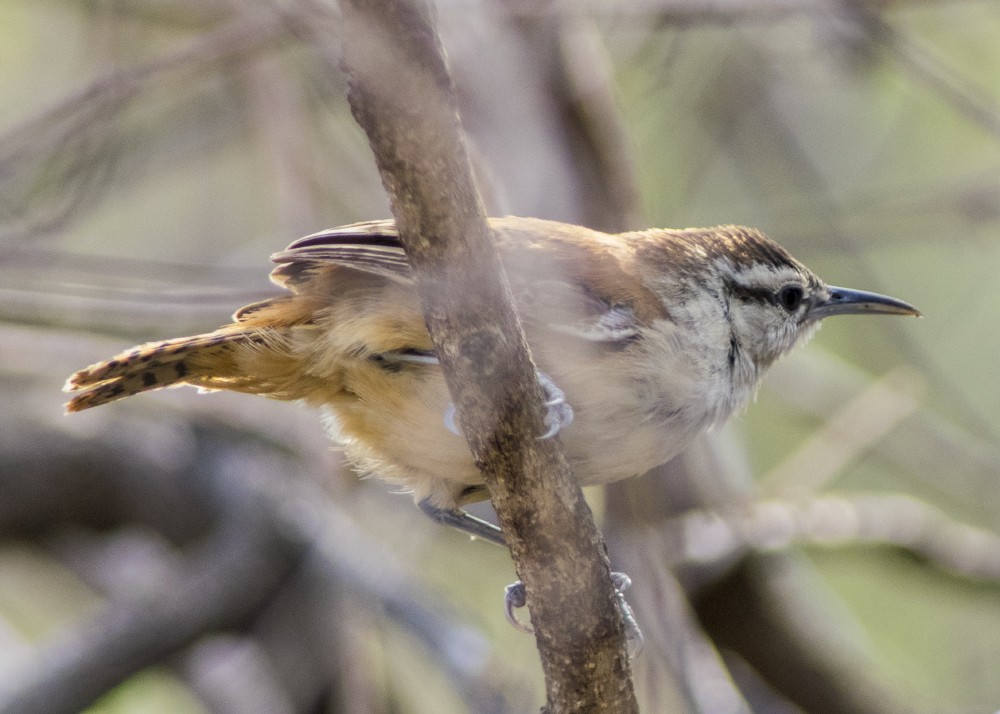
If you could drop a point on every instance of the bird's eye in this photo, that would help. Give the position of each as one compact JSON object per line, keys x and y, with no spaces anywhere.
{"x":791,"y":297}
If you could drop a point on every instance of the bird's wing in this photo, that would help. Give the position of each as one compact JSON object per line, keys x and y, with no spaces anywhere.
{"x":573,"y":281}
{"x":576,"y":281}
{"x":371,"y":247}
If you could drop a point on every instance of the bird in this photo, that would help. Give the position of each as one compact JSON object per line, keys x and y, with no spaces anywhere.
{"x":643,"y":341}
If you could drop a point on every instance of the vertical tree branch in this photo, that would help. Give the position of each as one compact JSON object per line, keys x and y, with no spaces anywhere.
{"x":402,"y":96}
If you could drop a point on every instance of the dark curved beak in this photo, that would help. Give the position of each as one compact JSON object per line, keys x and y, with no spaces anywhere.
{"x":844,"y":301}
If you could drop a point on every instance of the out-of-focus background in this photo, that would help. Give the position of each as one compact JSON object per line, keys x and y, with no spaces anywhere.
{"x":833,"y":550}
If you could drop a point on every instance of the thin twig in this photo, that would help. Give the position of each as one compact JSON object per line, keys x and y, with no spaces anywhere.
{"x":852,"y":430}
{"x":719,"y":536}
{"x":76,"y":129}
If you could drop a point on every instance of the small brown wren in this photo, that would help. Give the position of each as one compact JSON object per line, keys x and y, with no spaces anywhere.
{"x":654,"y":336}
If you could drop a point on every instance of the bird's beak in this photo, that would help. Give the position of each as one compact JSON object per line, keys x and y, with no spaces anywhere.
{"x":844,"y":301}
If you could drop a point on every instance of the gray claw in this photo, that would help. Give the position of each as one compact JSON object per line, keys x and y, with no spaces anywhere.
{"x":449,"y":419}
{"x":633,"y":635}
{"x":621,"y":581}
{"x":515,"y":597}
{"x":558,"y":412}
{"x":553,"y":429}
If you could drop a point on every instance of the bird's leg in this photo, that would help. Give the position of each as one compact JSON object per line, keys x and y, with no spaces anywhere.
{"x":559,"y":414}
{"x":465,"y":522}
{"x":514,"y":595}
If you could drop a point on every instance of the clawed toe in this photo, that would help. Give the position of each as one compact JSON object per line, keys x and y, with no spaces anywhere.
{"x":449,"y":419}
{"x":633,"y":635}
{"x":515,"y":597}
{"x":558,"y":412}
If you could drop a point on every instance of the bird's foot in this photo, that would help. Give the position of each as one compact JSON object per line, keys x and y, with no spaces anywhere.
{"x":515,"y":597}
{"x":558,"y":412}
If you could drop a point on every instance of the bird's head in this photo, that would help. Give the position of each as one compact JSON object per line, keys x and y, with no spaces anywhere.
{"x":768,"y":300}
{"x":774,"y":301}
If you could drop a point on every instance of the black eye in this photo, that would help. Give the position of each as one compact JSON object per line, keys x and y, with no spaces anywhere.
{"x":791,"y":297}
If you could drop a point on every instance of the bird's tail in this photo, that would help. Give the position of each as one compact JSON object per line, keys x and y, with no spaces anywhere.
{"x":223,"y":359}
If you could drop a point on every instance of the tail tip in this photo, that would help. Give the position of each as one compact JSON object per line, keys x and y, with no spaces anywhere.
{"x":92,"y":398}
{"x":72,"y":383}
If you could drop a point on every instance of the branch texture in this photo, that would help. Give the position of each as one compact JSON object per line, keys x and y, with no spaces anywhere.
{"x":402,"y":96}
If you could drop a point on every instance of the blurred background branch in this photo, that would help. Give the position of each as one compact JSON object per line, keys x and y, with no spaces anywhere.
{"x":832,"y":551}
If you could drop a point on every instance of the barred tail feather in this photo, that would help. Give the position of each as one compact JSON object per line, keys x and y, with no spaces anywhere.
{"x":211,"y":361}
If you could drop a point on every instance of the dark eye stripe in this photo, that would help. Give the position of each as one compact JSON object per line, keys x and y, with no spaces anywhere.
{"x":745,"y":292}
